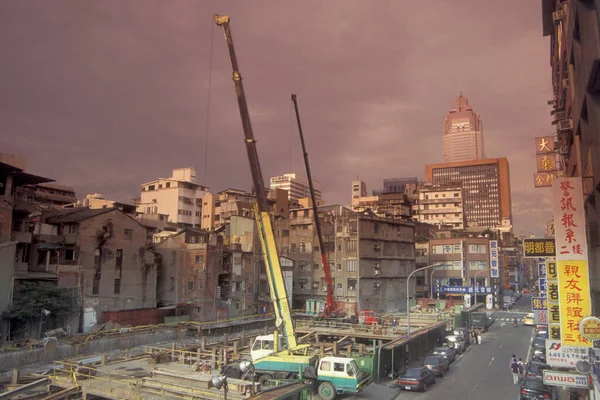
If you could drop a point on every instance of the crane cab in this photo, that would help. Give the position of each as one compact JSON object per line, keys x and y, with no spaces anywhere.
{"x":264,"y":345}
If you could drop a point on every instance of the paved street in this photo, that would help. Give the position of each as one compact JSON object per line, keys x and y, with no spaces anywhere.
{"x":482,"y":371}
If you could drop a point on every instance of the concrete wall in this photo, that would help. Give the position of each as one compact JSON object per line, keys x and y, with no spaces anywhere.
{"x":138,"y":272}
{"x":7,"y":269}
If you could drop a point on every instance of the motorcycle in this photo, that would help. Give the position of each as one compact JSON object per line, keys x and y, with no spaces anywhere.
{"x":516,"y":322}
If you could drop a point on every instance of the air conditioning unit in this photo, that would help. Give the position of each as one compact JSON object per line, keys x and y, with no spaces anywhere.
{"x":376,"y":284}
{"x":563,"y":150}
{"x":565,"y":125}
{"x":376,"y":271}
{"x":376,"y":246}
{"x":324,"y":289}
{"x":558,"y":16}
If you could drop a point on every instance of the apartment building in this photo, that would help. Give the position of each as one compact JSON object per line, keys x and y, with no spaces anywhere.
{"x":389,"y":205}
{"x":440,"y":205}
{"x":572,"y":27}
{"x":369,"y":256}
{"x":102,"y":252}
{"x":465,"y":261}
{"x":179,"y":197}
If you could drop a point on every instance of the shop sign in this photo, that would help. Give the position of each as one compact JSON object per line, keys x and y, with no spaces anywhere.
{"x":590,"y":328}
{"x":574,"y":300}
{"x":539,"y":248}
{"x":561,"y":356}
{"x":569,"y":379}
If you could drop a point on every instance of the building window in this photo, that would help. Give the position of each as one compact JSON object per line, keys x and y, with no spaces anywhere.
{"x":171,"y":284}
{"x":117,"y":286}
{"x":351,"y":284}
{"x":375,"y":228}
{"x":477,"y":249}
{"x":97,"y":271}
{"x":351,"y":246}
{"x":128,"y":234}
{"x":316,"y":266}
{"x":200,"y":283}
{"x":190,"y":286}
{"x":69,"y":255}
{"x":118,"y":264}
{"x":306,"y":214}
{"x":199,"y":259}
{"x":339,"y":267}
{"x":350,"y":265}
{"x":302,"y":247}
{"x":302,"y":265}
{"x":339,"y":286}
{"x":197,"y":310}
{"x":293,"y":248}
{"x":72,"y":228}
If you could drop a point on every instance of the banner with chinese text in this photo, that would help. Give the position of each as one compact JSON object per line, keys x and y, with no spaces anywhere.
{"x":574,"y":300}
{"x":569,"y":219}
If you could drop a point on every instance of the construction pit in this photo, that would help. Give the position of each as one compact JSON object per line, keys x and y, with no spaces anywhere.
{"x":185,"y":368}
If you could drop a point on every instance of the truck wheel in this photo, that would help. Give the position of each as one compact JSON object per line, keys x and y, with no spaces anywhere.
{"x":262,"y":380}
{"x":326,"y":391}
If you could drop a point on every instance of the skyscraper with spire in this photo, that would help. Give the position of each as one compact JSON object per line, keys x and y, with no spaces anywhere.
{"x":463,"y":133}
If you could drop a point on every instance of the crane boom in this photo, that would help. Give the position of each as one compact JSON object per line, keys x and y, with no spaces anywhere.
{"x":283,"y":317}
{"x":330,"y":303}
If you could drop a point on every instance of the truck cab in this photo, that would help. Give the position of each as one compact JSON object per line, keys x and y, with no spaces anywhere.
{"x":337,"y":375}
{"x":368,"y":317}
{"x":264,"y":346}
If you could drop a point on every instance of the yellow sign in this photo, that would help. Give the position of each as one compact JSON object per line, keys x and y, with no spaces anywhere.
{"x":539,"y":247}
{"x":543,"y":179}
{"x":544,"y":145}
{"x":575,"y":302}
{"x":546,"y":163}
{"x":590,"y":328}
{"x":553,"y":313}
{"x":554,"y":331}
{"x":551,"y":273}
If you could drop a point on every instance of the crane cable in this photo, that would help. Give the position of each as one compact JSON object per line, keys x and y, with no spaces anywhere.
{"x":207,"y":130}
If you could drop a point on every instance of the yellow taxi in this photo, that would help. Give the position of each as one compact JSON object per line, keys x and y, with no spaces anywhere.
{"x":529,"y":320}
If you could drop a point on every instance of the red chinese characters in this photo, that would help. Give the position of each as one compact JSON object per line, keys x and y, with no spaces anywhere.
{"x":572,"y":287}
{"x":568,"y":219}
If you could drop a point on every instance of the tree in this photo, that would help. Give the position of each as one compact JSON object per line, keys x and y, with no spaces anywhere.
{"x":32,"y":297}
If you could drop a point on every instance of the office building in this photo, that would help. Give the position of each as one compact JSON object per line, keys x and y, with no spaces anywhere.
{"x":485,"y":191}
{"x":359,"y":189}
{"x":296,"y":186}
{"x":463,"y":133}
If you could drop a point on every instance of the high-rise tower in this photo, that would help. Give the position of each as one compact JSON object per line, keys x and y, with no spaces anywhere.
{"x":463,"y":133}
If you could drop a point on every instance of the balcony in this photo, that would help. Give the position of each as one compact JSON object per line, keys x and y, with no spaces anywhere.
{"x":71,"y":238}
{"x":22,"y":237}
{"x":51,"y":239}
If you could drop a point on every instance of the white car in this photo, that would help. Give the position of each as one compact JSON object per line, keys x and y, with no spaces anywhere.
{"x":529,"y":320}
{"x":455,"y":342}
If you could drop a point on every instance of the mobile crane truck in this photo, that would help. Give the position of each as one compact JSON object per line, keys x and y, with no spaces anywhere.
{"x":331,"y":375}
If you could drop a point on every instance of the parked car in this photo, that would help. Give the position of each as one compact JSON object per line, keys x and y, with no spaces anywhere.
{"x":439,"y":365}
{"x":529,"y":320}
{"x":455,"y":342}
{"x":541,"y":331}
{"x":538,"y":354}
{"x":533,"y":388}
{"x":536,"y":369}
{"x":448,"y":352}
{"x":464,"y":332}
{"x":417,"y":379}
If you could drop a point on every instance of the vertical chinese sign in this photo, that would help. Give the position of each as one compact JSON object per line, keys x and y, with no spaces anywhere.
{"x":552,"y":296}
{"x":572,"y":262}
{"x":494,"y":267}
{"x":546,"y":162}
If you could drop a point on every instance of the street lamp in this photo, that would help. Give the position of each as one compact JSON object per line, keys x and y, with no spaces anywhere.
{"x":220,"y":382}
{"x":408,"y":291}
{"x":247,"y":367}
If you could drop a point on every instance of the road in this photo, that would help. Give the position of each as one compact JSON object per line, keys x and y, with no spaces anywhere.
{"x":482,"y":372}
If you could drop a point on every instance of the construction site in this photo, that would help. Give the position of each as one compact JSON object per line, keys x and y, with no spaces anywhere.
{"x":185,"y":367}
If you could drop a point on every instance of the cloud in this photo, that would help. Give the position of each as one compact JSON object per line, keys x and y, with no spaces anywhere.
{"x":108,"y":95}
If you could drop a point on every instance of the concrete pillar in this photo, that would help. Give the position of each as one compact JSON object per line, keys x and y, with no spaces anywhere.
{"x":225,"y":360}
{"x":243,"y":335}
{"x":203,"y":343}
{"x":335,"y":349}
{"x":235,"y":347}
{"x":14,"y":377}
{"x":173,"y":352}
{"x":225,"y":339}
{"x":103,"y":362}
{"x":265,"y":330}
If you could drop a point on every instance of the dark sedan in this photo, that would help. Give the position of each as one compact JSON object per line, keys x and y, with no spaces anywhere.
{"x":439,"y":365}
{"x":417,"y":379}
{"x":534,"y":389}
{"x":447,"y":352}
{"x":536,"y":369}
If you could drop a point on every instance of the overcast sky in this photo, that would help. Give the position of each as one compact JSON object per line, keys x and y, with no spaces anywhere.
{"x":106,"y":95}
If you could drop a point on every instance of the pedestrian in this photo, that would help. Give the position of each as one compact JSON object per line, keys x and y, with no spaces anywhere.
{"x":514,"y":369}
{"x":521,"y":368}
{"x":475,"y":336}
